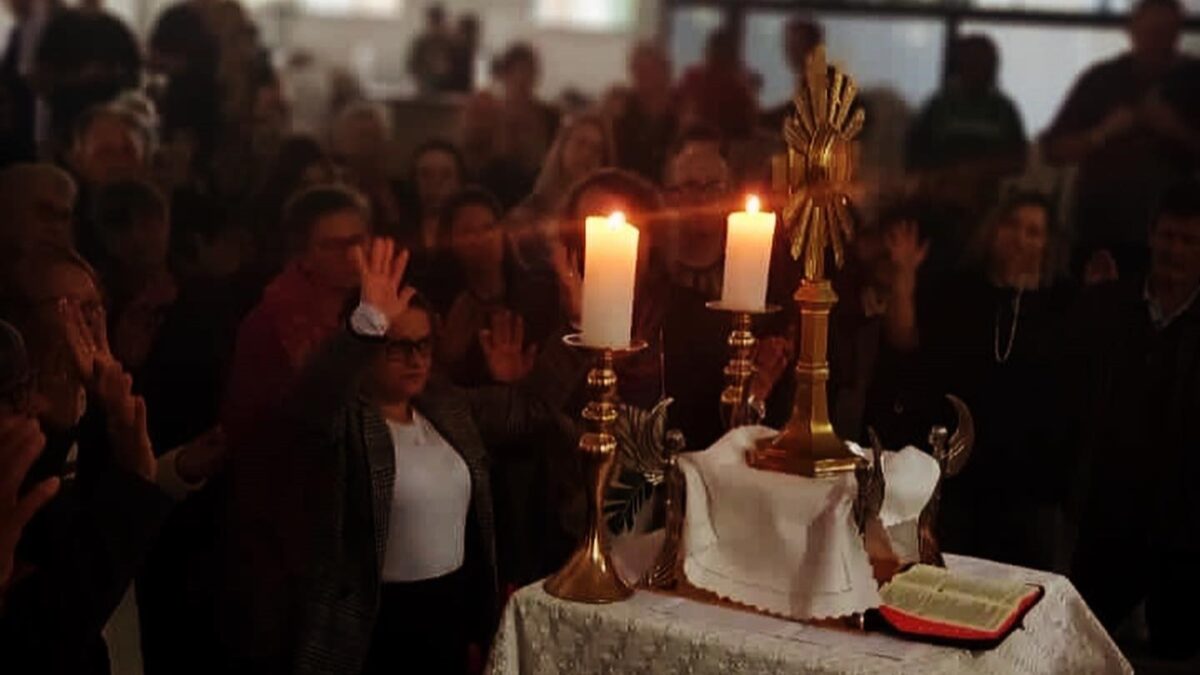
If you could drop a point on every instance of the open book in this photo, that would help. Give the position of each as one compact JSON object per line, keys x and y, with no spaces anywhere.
{"x":933,"y":602}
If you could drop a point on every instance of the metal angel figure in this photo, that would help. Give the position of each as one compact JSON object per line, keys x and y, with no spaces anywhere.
{"x":820,"y":138}
{"x":646,"y":450}
{"x":648,"y":453}
{"x":871,"y":485}
{"x":951,"y":453}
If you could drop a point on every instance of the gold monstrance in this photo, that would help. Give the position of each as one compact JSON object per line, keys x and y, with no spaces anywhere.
{"x":816,"y":175}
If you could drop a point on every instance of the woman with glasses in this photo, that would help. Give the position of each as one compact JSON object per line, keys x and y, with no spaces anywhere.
{"x":401,"y":562}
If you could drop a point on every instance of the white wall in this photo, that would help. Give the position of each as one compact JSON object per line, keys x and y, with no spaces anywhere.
{"x":376,"y":47}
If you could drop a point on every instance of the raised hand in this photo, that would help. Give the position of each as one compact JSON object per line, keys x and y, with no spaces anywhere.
{"x":21,"y":441}
{"x":126,"y":416}
{"x":508,"y":359}
{"x":380,"y":270}
{"x":904,"y":247}
{"x":570,"y":282}
{"x":86,"y":341}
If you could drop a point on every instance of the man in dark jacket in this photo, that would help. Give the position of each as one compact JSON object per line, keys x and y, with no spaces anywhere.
{"x":1141,"y":525}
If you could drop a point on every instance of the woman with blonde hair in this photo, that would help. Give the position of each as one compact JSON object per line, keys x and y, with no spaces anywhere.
{"x":584,"y":144}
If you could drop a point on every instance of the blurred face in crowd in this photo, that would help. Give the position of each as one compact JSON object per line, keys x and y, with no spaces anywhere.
{"x":437,"y":178}
{"x":1175,"y":251}
{"x":58,"y":381}
{"x":476,"y":239}
{"x":143,"y":245}
{"x":520,"y":79}
{"x":109,"y":149}
{"x":406,"y":360}
{"x":1154,"y":34}
{"x":362,"y":138}
{"x":583,"y":151}
{"x":40,"y":208}
{"x":650,"y":70}
{"x":328,"y":255}
{"x":1019,"y":245}
{"x":697,"y":188}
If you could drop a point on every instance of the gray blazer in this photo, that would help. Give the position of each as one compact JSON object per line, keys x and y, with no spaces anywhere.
{"x":348,"y":467}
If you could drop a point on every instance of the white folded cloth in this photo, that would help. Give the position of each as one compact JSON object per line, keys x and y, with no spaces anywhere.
{"x":784,"y":544}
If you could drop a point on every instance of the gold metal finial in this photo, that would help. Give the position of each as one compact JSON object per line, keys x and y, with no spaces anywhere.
{"x":820,"y":138}
{"x":816,"y":174}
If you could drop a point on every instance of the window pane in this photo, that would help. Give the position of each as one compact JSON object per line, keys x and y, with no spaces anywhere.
{"x":689,"y":29}
{"x":598,"y":15}
{"x":346,"y":7}
{"x":1039,"y":64}
{"x":903,"y":55}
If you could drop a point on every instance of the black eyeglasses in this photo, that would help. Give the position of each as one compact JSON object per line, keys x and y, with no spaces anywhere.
{"x":408,"y":349}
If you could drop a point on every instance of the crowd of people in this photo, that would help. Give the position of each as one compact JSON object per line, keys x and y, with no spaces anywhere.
{"x":304,"y":414}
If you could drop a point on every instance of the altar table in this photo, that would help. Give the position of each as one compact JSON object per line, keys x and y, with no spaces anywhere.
{"x":654,"y":633}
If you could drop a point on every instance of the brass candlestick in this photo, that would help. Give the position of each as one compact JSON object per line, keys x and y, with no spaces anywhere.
{"x":817,"y":173}
{"x":589,"y":575}
{"x":739,"y":372}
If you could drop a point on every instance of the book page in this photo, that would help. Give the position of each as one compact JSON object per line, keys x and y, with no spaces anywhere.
{"x":935,"y":594}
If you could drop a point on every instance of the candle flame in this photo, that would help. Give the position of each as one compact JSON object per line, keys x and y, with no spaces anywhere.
{"x":753,"y":205}
{"x":616,"y":219}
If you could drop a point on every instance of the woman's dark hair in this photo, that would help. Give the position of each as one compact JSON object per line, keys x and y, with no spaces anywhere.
{"x":310,"y":205}
{"x":124,"y":203}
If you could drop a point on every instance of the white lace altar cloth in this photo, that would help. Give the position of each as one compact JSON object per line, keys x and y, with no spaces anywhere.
{"x":777,"y":542}
{"x":654,"y":634}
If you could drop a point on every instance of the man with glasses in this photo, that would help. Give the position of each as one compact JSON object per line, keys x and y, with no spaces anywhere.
{"x":700,"y":194}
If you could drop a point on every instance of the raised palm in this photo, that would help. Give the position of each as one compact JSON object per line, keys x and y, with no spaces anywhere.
{"x":905,"y":248}
{"x":380,"y":270}
{"x":508,"y":359}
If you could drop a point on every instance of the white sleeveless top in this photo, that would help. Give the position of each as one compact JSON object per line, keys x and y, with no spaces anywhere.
{"x":430,"y":499}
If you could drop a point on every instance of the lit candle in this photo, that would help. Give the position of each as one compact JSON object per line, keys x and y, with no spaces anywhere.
{"x":748,"y":257}
{"x":609,"y":272}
